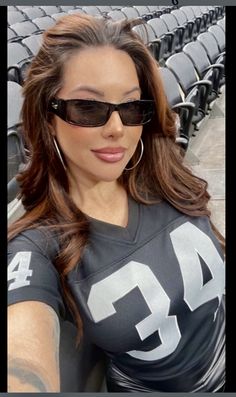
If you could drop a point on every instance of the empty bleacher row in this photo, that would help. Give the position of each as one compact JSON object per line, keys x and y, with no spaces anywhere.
{"x":187,"y":42}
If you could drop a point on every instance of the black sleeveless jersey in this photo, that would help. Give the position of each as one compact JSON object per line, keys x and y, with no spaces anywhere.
{"x":150,"y":295}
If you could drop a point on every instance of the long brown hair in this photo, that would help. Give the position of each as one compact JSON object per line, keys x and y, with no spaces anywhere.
{"x":160,"y":174}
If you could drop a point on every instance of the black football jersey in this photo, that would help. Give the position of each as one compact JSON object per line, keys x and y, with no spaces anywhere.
{"x":150,"y":294}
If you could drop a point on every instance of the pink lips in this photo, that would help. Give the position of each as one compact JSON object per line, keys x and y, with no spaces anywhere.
{"x":110,"y":154}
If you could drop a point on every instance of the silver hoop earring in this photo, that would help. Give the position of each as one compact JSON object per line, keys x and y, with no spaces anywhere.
{"x":58,"y":152}
{"x":141,"y":154}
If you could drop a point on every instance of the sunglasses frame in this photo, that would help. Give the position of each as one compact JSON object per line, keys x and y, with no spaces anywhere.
{"x":59,"y":107}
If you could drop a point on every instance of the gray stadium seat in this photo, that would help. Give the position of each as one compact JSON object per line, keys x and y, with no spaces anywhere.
{"x":49,"y":10}
{"x":10,"y":34}
{"x":130,"y":12}
{"x":91,"y":10}
{"x":25,"y":28}
{"x":116,"y":15}
{"x":205,"y":70}
{"x":18,"y":60}
{"x":33,"y":43}
{"x":33,"y":12}
{"x":14,"y":17}
{"x":221,"y":23}
{"x":184,"y":71}
{"x":58,"y":15}
{"x":211,"y":46}
{"x":148,"y":36}
{"x":185,"y":109}
{"x":167,"y":38}
{"x":219,"y":35}
{"x":44,"y":23}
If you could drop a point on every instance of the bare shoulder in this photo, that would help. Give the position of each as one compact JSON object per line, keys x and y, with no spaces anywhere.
{"x":33,"y":347}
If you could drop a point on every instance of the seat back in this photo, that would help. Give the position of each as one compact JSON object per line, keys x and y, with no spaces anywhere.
{"x":183,"y":69}
{"x":210,"y":44}
{"x":43,"y":23}
{"x":14,"y":17}
{"x":198,"y":56}
{"x":50,"y":10}
{"x":33,"y":12}
{"x":130,"y":12}
{"x":219,"y":35}
{"x":171,"y":86}
{"x":25,"y":28}
{"x":116,"y":15}
{"x":14,"y":104}
{"x":158,"y":26}
{"x":33,"y":43}
{"x":91,"y":10}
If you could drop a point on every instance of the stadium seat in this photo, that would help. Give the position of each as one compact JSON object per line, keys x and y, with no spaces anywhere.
{"x":33,"y":43}
{"x":183,"y":21}
{"x":10,"y":34}
{"x":219,"y":35}
{"x":25,"y":28}
{"x":76,"y":11}
{"x":167,"y":38}
{"x":43,"y":23}
{"x":66,"y":8}
{"x":211,"y":46}
{"x":185,"y":109}
{"x":19,"y":59}
{"x":91,"y":10}
{"x":205,"y":16}
{"x":148,"y":36}
{"x":205,"y":70}
{"x":221,"y":23}
{"x":15,"y":16}
{"x":199,"y":27}
{"x":184,"y":71}
{"x":33,"y":12}
{"x":179,"y":31}
{"x":116,"y":15}
{"x":144,"y":12}
{"x":104,"y":9}
{"x":58,"y":15}
{"x":49,"y":10}
{"x":16,"y":152}
{"x":130,"y":12}
{"x":155,"y":10}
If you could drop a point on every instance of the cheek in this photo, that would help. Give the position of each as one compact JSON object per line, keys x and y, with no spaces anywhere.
{"x":135,"y":133}
{"x":69,"y":135}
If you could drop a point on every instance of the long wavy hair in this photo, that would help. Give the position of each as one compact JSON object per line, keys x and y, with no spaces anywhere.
{"x":44,"y":184}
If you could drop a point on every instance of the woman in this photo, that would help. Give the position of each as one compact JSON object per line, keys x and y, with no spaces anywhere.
{"x":116,"y":229}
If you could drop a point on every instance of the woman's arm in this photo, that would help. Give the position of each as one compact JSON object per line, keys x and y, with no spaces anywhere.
{"x":33,"y":348}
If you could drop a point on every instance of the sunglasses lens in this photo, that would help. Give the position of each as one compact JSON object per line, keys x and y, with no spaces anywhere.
{"x":86,"y":113}
{"x":136,"y":112}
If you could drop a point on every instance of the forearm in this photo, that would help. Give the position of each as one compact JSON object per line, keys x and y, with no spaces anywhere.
{"x":28,"y":376}
{"x":33,"y":348}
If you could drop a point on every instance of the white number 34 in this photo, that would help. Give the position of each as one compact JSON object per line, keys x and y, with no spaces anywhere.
{"x":188,"y":241}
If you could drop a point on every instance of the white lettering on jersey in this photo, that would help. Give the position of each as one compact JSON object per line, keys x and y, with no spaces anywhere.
{"x":18,"y":270}
{"x":187,"y":241}
{"x":107,"y":291}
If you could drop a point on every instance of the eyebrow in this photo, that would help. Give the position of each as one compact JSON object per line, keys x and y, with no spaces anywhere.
{"x":101,"y":93}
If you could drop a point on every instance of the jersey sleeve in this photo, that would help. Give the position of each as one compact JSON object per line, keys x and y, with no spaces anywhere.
{"x":31,"y":273}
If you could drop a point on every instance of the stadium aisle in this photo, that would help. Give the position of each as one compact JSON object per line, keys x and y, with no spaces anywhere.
{"x":207,"y":158}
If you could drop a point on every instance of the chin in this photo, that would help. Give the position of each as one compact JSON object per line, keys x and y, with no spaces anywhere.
{"x":110,"y":177}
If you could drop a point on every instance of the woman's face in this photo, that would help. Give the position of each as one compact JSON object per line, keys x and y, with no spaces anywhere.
{"x":99,"y":153}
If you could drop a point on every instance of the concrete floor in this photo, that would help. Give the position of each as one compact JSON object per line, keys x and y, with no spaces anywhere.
{"x":206,"y":156}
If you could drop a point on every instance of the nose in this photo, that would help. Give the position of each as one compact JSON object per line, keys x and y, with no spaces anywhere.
{"x":114,"y":127}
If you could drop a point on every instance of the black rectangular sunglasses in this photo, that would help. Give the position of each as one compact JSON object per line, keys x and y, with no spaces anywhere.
{"x":91,"y":113}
